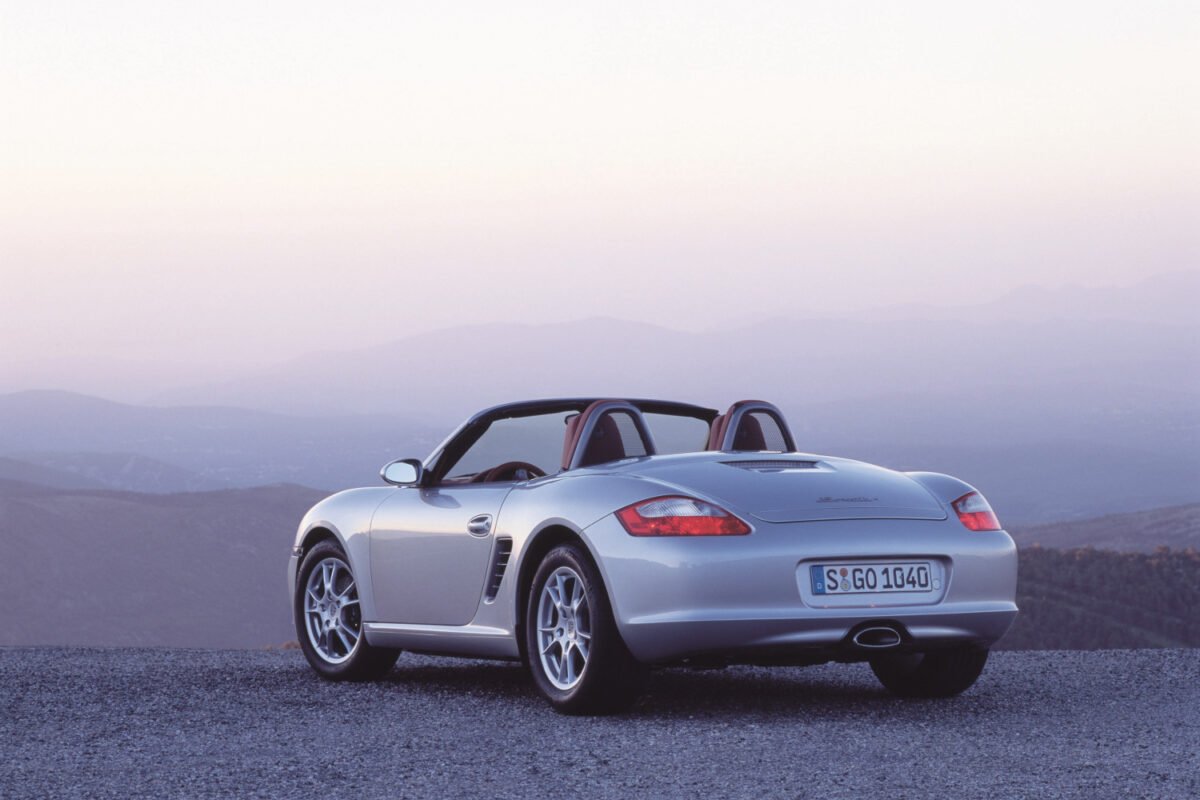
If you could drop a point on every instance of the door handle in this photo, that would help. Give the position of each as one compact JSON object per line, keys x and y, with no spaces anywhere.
{"x":480,"y":525}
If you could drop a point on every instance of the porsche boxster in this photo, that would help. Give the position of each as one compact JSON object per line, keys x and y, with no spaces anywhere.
{"x":595,"y":539}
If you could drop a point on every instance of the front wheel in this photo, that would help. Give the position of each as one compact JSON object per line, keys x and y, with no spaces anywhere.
{"x":575,"y":652}
{"x":937,"y":673}
{"x":329,"y":620}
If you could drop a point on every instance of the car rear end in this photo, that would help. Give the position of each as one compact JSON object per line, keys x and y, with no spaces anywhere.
{"x":831,"y":560}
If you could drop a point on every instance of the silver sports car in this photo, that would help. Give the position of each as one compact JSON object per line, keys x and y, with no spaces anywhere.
{"x":594,"y":539}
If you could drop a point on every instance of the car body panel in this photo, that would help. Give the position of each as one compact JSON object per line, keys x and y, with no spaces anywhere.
{"x":683,"y":597}
{"x":797,"y":487}
{"x":426,"y":566}
{"x":424,"y":579}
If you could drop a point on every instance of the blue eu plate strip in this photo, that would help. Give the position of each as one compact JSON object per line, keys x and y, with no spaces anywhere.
{"x":818,"y":579}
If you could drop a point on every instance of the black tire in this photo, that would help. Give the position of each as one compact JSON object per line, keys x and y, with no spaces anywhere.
{"x":936,"y":673}
{"x":362,"y":662}
{"x":611,"y":679}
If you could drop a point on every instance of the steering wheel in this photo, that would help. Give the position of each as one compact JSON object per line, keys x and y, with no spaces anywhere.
{"x":510,"y":471}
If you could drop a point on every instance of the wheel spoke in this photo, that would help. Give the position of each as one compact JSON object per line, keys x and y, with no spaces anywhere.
{"x":583,"y":647}
{"x":576,"y":595}
{"x":564,"y":661}
{"x":569,"y":664}
{"x":560,"y":585}
{"x":344,"y":592}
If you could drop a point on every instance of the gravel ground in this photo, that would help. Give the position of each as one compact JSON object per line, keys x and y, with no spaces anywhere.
{"x":193,"y":723}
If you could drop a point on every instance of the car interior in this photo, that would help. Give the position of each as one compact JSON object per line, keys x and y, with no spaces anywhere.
{"x":612,"y":430}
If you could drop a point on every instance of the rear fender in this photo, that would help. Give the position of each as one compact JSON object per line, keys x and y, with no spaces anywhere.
{"x":945,"y":488}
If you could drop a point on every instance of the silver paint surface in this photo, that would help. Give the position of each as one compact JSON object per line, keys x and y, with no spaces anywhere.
{"x":423,"y":575}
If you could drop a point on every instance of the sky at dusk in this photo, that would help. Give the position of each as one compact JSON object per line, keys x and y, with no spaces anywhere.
{"x":247,"y":181}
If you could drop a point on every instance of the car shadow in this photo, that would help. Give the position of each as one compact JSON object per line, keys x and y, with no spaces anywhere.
{"x":780,"y":691}
{"x":847,"y":690}
{"x":497,"y":679}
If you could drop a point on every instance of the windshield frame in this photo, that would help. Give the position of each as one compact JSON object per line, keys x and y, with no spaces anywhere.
{"x":447,"y":455}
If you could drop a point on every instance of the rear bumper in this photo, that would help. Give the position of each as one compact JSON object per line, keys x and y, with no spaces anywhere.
{"x":738,"y":597}
{"x":823,"y":636}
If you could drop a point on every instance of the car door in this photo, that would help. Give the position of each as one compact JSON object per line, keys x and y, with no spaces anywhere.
{"x":430,"y":552}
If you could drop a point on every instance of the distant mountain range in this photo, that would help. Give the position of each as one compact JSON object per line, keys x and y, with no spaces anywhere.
{"x":1066,"y":376}
{"x":1057,"y":403}
{"x":66,"y":439}
{"x":1176,"y":527}
{"x":206,"y":569}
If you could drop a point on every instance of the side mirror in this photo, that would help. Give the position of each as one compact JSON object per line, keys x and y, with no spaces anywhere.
{"x":402,"y":472}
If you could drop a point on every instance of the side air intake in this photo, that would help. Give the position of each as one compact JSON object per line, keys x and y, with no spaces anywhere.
{"x":499,"y":564}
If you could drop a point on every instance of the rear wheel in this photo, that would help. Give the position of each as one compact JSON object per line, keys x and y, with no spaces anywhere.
{"x":575,"y":652}
{"x":936,"y":673}
{"x":329,"y":620}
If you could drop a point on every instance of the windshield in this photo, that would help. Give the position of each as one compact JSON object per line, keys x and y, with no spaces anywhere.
{"x":536,"y":440}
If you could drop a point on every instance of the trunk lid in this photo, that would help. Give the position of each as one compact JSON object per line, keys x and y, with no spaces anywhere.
{"x":799,"y":488}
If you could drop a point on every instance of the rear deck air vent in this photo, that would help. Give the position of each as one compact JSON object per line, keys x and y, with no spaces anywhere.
{"x":771,"y":465}
{"x":499,"y":564}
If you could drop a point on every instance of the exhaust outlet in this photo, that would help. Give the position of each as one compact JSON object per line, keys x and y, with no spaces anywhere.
{"x":877,"y":638}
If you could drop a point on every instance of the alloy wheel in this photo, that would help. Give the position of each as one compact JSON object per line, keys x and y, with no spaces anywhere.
{"x":564,"y":633}
{"x":331,"y":611}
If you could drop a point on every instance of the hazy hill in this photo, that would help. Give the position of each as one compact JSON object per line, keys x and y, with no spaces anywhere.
{"x":122,"y":471}
{"x":12,"y":469}
{"x":1096,"y":600}
{"x":1177,"y":527}
{"x":207,"y":569}
{"x":1055,"y":415}
{"x":113,"y":568}
{"x":1036,"y":363}
{"x":1066,"y":378}
{"x":80,"y":442}
{"x":1059,"y":403}
{"x":1165,"y":298}
{"x":190,"y":447}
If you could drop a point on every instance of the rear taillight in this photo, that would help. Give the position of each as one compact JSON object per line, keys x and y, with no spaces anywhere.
{"x":975,"y":513}
{"x":679,"y":516}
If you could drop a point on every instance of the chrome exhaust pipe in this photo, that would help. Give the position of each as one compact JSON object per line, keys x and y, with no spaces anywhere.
{"x":877,"y":638}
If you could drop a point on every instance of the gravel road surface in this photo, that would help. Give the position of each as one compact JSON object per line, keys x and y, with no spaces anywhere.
{"x":195,"y":723}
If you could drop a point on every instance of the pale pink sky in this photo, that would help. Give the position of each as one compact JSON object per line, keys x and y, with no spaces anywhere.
{"x":239,"y":182}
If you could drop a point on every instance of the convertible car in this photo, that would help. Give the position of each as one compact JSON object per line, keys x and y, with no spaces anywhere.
{"x":596,"y":539}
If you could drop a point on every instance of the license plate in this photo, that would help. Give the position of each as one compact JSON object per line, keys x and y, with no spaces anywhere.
{"x":911,"y":576}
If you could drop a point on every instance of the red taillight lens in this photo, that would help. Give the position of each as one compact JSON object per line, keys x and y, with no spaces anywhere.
{"x":679,"y":516}
{"x":975,"y":513}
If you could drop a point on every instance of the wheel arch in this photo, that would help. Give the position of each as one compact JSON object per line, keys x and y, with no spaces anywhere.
{"x":549,"y":535}
{"x":355,"y":545}
{"x":314,"y":536}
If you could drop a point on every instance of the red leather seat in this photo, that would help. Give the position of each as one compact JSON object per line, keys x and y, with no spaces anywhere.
{"x":720,"y":425}
{"x":749,"y":435}
{"x":605,"y":441}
